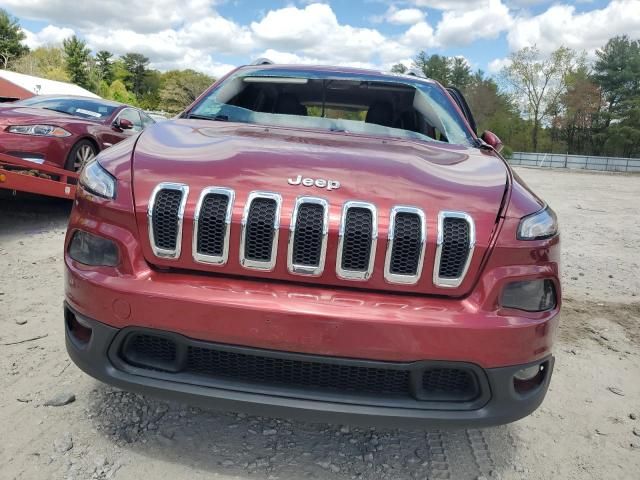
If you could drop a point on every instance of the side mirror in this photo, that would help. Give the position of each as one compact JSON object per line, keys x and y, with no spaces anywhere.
{"x":492,"y":139}
{"x":124,"y":124}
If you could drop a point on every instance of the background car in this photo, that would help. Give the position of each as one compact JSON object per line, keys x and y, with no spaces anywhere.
{"x":66,"y":131}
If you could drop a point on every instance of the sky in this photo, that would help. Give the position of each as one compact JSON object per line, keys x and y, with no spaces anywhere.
{"x":213,"y":36}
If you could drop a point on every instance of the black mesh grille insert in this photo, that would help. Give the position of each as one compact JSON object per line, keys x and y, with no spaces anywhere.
{"x":212,"y":227}
{"x":306,"y":372}
{"x":307,"y":244}
{"x":293,"y":373}
{"x":455,"y":247}
{"x":451,"y":382}
{"x":356,"y":248}
{"x":165,"y":218}
{"x":405,"y":253}
{"x":259,"y":233}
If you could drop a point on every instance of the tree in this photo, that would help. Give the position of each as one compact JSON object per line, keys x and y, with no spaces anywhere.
{"x":538,"y":82}
{"x":436,"y":67}
{"x":400,"y":68}
{"x":11,"y":38}
{"x":104,"y":65}
{"x":77,"y":57}
{"x":135,"y":65}
{"x":46,"y":62}
{"x":580,"y":105}
{"x":181,"y":88}
{"x":460,"y":73}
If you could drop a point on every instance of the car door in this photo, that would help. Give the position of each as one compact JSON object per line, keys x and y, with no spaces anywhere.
{"x":115,"y":134}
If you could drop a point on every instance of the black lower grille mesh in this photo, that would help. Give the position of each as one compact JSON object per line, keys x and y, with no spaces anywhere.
{"x":307,"y":244}
{"x":455,"y":248}
{"x":160,"y":353}
{"x":165,"y":218}
{"x":212,"y":227}
{"x":356,"y":249}
{"x":407,"y":244}
{"x":449,"y":381}
{"x":260,"y":232}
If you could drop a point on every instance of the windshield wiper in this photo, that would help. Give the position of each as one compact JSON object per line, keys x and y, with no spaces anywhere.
{"x":217,"y":118}
{"x":59,"y":111}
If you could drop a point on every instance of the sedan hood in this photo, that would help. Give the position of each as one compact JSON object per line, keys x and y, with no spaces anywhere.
{"x":383,"y":171}
{"x":30,"y":115}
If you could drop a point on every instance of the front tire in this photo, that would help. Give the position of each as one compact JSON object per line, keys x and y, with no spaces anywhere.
{"x":82,"y":152}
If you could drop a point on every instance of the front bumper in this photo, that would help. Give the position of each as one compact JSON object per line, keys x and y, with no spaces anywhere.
{"x":498,"y":402}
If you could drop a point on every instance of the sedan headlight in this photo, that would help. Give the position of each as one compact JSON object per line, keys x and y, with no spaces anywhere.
{"x":97,"y":180}
{"x":39,"y":130}
{"x":538,"y":226}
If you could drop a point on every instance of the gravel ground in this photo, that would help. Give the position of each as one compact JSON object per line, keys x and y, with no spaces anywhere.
{"x":60,"y":423}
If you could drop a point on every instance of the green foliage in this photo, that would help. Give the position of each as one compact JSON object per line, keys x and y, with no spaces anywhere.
{"x":399,"y":68}
{"x":11,"y":38}
{"x":180,"y":88}
{"x":135,"y":66}
{"x":118,"y":91}
{"x":77,"y":56}
{"x":46,"y":62}
{"x":104,"y":65}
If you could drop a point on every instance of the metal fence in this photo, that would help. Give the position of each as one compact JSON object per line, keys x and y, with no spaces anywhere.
{"x":582,"y":162}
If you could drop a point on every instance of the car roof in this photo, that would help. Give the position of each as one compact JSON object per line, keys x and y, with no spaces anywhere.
{"x":329,"y":69}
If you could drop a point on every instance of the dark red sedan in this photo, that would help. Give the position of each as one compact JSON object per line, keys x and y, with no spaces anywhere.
{"x":66,"y":131}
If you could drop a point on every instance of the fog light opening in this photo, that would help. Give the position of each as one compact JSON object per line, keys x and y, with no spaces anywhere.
{"x":529,"y":378}
{"x":79,"y":332}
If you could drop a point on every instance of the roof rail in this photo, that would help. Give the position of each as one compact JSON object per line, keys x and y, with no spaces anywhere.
{"x":414,"y":73}
{"x":262,"y":61}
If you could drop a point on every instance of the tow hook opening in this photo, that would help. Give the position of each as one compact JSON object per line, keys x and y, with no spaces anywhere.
{"x":79,"y":332}
{"x":530,"y":378}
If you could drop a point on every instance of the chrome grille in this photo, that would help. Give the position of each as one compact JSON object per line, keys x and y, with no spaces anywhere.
{"x":456,"y":242}
{"x":260,"y":226}
{"x":212,"y":225}
{"x":165,"y":215}
{"x":308,"y":237}
{"x":406,"y":245}
{"x":357,"y":244}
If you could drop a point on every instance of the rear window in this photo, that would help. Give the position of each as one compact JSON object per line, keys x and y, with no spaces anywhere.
{"x":78,"y":107}
{"x":400,"y":107}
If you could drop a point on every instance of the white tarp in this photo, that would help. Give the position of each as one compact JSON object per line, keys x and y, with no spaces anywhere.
{"x":42,"y":86}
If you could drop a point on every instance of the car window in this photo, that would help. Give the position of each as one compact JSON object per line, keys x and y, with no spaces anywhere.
{"x":78,"y":107}
{"x":146,"y":120}
{"x":385,"y":105}
{"x":133,"y":116}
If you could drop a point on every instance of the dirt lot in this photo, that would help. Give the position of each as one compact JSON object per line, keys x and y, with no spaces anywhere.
{"x":585,"y":429}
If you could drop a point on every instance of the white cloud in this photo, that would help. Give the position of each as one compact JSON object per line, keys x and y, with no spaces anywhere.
{"x":562,"y":25}
{"x":49,"y":35}
{"x":496,"y":65}
{"x":461,"y":27}
{"x":405,"y":16}
{"x":420,"y":36}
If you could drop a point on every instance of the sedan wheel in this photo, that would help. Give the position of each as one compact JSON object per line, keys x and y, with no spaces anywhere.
{"x":84,"y":154}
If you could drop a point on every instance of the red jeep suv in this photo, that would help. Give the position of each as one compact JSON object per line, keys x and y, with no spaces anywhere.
{"x":317,"y":242}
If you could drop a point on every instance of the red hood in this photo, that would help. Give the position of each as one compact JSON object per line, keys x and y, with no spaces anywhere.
{"x":386,"y":172}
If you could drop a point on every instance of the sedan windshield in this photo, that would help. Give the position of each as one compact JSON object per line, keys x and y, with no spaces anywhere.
{"x":392,"y":106}
{"x":78,"y":107}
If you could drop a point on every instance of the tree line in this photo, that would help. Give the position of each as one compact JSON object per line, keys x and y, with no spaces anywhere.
{"x":127,"y":78}
{"x":558,"y":103}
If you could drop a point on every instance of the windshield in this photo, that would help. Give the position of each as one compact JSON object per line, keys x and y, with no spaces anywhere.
{"x":393,"y":106}
{"x":78,"y":107}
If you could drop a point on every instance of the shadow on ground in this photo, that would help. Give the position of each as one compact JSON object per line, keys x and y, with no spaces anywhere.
{"x":28,"y":214}
{"x":257,"y":447}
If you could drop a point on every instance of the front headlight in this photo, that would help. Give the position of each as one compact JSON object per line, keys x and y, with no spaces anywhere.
{"x":97,"y":180}
{"x":39,"y":130}
{"x":538,"y":226}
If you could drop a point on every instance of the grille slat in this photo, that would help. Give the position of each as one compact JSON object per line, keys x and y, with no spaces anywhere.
{"x":358,"y":234}
{"x":165,"y":216}
{"x":304,"y":372}
{"x":261,"y":223}
{"x":456,"y":241}
{"x":406,"y":245}
{"x":308,"y":236}
{"x":212,"y":224}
